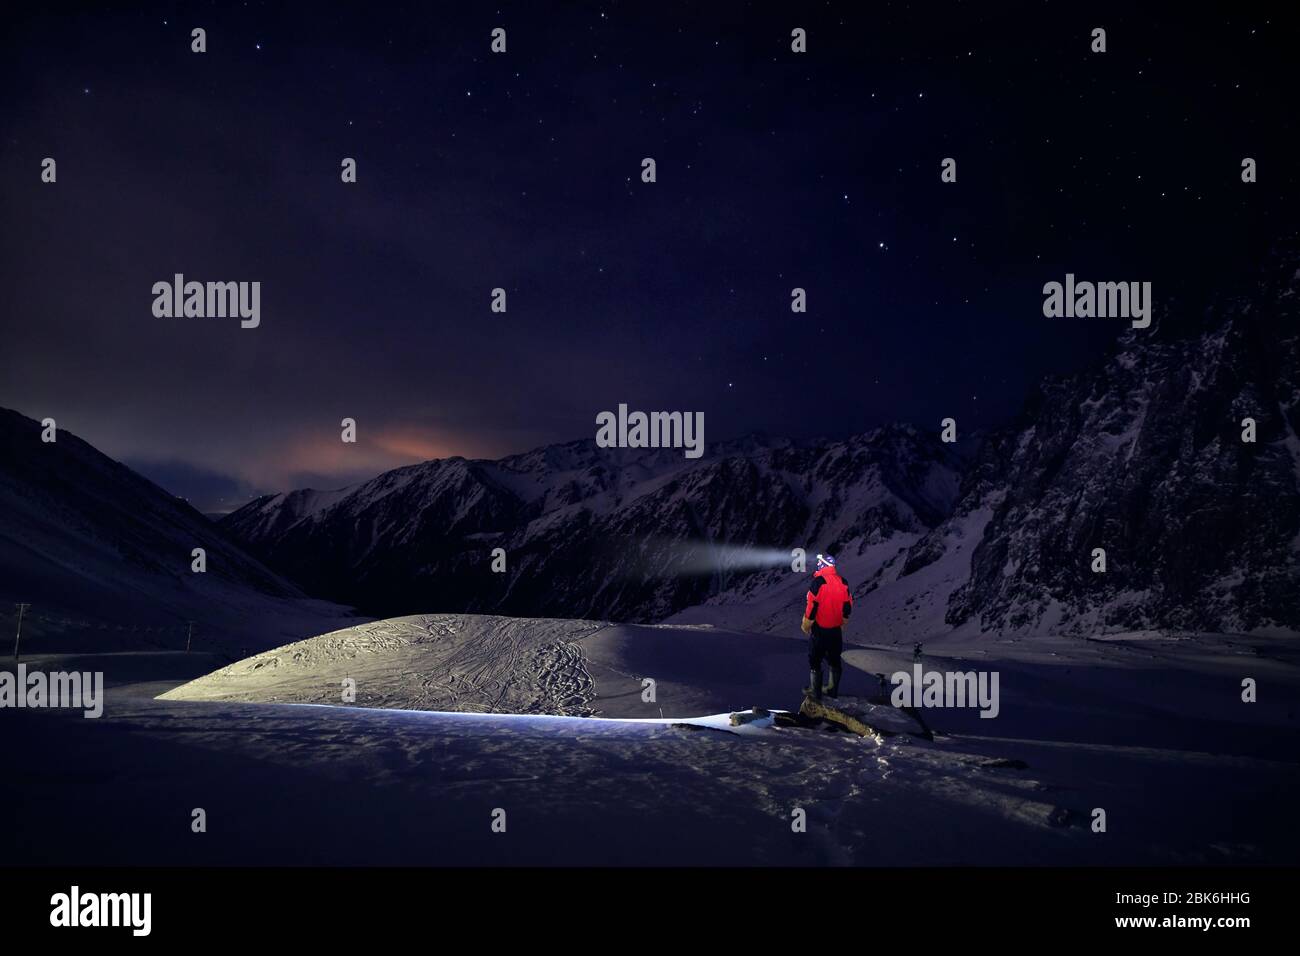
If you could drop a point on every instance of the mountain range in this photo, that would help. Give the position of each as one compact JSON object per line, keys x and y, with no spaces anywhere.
{"x":1176,"y":456}
{"x":1141,"y":456}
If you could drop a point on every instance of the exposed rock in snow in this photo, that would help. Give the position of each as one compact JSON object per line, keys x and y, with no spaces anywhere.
{"x":864,"y":717}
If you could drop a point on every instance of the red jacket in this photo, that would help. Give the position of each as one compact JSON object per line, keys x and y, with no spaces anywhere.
{"x":829,"y":599}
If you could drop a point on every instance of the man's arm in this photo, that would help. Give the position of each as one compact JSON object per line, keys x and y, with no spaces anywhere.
{"x":810,"y":606}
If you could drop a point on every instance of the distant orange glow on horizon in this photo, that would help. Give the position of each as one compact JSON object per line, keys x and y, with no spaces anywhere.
{"x":371,"y":454}
{"x":416,"y":445}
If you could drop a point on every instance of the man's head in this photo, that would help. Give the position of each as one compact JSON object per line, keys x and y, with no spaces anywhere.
{"x":825,"y":561}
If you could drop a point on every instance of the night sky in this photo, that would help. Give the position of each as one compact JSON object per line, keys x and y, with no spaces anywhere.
{"x":522,"y":170}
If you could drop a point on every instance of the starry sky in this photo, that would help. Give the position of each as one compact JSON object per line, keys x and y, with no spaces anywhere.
{"x":522,"y":171}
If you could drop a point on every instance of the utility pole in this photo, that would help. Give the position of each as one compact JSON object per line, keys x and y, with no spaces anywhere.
{"x":189,"y":635}
{"x":21,"y":609}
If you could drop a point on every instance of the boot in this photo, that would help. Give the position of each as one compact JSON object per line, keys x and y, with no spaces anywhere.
{"x":833,"y":688}
{"x":814,"y":690}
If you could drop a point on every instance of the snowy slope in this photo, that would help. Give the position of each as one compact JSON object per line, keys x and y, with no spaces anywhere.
{"x":103,"y":556}
{"x":492,"y":664}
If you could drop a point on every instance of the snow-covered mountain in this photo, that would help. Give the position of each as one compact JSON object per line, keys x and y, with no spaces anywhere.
{"x":103,"y":556}
{"x":617,"y":534}
{"x":1142,"y":456}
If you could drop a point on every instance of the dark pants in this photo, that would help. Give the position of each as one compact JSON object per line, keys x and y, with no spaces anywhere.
{"x":825,"y":644}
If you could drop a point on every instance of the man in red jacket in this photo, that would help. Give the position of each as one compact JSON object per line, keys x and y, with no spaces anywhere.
{"x":829,"y":603}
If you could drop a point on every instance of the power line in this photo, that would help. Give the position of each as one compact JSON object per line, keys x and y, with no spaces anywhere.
{"x":21,"y":609}
{"x":92,"y":625}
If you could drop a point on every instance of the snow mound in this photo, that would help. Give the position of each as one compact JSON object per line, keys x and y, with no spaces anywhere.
{"x":504,"y":665}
